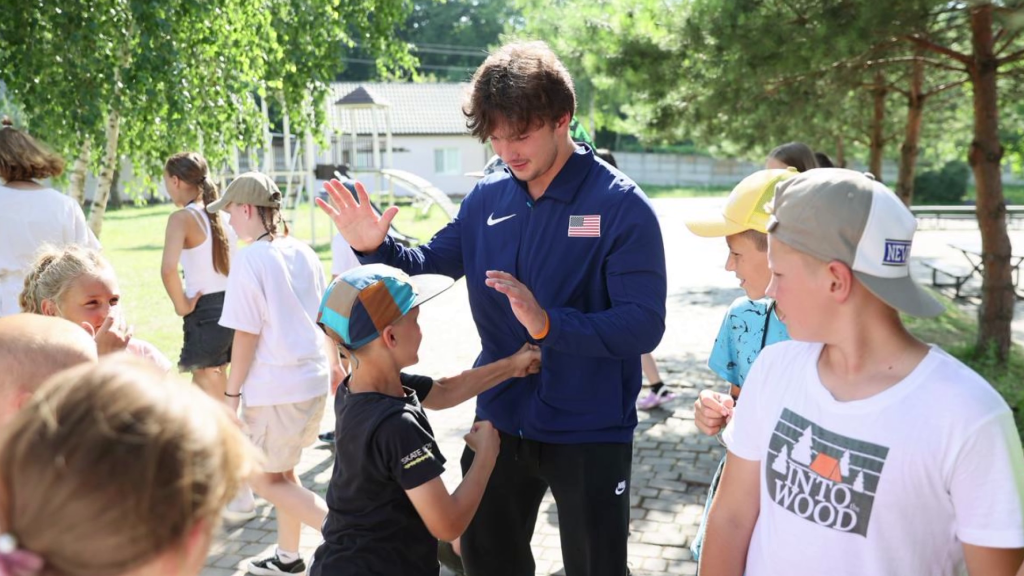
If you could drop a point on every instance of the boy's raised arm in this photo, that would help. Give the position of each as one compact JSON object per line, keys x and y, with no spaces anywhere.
{"x":734,"y":512}
{"x":455,"y":390}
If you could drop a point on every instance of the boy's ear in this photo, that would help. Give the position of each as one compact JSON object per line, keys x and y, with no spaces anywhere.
{"x":387,"y":336}
{"x":840,"y":278}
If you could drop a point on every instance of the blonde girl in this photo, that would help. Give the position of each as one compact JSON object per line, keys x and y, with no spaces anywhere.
{"x":78,"y":284}
{"x":34,"y":214}
{"x":116,"y":469}
{"x":202,"y":245}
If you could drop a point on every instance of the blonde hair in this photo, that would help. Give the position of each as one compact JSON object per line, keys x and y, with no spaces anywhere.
{"x":111,"y":465}
{"x":53,"y":272}
{"x":23,"y":158}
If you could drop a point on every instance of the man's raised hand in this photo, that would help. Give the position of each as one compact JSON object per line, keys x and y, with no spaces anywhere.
{"x":357,"y":222}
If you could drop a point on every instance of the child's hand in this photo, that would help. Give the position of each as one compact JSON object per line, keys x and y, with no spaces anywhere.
{"x":190,"y":305}
{"x":113,"y":335}
{"x":526,"y":361}
{"x":483,"y":439}
{"x":712,"y":411}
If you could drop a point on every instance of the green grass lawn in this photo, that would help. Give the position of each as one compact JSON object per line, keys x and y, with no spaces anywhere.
{"x":133,"y":240}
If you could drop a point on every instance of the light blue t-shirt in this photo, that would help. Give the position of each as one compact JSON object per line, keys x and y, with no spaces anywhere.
{"x":739,"y":339}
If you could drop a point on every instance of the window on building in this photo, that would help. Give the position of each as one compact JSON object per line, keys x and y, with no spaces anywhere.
{"x":447,"y":161}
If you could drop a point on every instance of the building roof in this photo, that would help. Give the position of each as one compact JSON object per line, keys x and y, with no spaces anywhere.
{"x":415,"y":108}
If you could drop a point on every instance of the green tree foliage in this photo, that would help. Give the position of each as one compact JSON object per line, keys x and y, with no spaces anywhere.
{"x":159,"y":76}
{"x":449,"y":39}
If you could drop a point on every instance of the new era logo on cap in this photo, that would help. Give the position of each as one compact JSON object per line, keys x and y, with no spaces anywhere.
{"x":838,"y":214}
{"x":897,"y":252}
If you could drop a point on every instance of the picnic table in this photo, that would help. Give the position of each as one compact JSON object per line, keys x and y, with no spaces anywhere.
{"x":971,"y":249}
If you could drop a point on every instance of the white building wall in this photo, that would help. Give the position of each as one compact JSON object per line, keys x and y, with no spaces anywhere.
{"x":416,"y":154}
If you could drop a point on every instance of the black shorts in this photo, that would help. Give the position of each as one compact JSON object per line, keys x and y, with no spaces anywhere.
{"x":207,"y":344}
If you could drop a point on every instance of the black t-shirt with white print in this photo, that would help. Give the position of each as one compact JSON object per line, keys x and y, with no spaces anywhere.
{"x":384,"y":446}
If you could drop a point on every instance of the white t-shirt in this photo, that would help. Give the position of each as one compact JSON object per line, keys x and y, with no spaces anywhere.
{"x":343,"y":258}
{"x":30,"y":219}
{"x":889,"y":485}
{"x":274,"y":290}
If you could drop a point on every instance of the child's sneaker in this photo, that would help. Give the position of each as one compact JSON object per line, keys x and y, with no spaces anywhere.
{"x":655,"y":399}
{"x":272,"y":566}
{"x":241,"y":509}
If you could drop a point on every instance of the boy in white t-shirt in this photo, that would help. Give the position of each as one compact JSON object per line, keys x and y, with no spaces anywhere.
{"x":857,"y":448}
{"x":280,"y":359}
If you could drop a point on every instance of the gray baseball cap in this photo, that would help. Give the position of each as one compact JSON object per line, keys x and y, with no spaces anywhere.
{"x":254,"y":188}
{"x":839,"y":214}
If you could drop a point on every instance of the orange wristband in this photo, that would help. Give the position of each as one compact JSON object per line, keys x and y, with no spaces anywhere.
{"x":544,"y":332}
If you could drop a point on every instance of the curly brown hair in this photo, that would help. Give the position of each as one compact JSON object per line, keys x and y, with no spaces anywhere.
{"x":523,"y":84}
{"x":23,"y":158}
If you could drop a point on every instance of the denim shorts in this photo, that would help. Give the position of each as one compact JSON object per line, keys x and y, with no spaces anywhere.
{"x":207,"y":344}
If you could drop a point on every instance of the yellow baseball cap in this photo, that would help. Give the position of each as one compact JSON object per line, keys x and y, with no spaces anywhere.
{"x":745,"y":209}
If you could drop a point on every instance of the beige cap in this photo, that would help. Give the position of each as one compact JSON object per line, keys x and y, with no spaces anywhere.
{"x":745,"y":208}
{"x":839,"y":214}
{"x":253,"y":188}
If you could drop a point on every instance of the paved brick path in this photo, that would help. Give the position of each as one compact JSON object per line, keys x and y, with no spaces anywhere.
{"x":672,"y":462}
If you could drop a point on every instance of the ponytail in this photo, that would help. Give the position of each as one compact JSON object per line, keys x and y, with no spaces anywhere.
{"x":191,"y":167}
{"x":221,"y":246}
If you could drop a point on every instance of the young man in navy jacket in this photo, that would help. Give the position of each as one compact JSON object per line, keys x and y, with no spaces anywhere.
{"x":565,"y":251}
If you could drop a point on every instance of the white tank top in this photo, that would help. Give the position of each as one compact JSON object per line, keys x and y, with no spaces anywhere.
{"x":197,"y":263}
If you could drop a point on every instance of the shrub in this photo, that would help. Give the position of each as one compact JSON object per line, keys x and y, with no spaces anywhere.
{"x":948,"y":185}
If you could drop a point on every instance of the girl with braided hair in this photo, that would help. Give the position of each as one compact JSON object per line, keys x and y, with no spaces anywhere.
{"x":203,"y":246}
{"x":78,"y":284}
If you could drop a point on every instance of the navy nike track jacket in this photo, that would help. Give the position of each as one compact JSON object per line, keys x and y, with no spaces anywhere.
{"x":590,"y":250}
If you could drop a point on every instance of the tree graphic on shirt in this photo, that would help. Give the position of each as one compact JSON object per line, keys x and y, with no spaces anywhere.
{"x":858,"y":484}
{"x":802,"y":448}
{"x":844,"y":464}
{"x":781,"y":462}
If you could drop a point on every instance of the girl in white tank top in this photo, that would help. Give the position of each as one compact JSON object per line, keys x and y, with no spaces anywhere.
{"x":203,"y":246}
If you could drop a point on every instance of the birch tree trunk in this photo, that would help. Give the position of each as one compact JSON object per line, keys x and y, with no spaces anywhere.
{"x":77,"y":189}
{"x":99,"y":205}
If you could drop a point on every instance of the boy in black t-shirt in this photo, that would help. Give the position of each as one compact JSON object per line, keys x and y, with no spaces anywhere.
{"x":387,"y":504}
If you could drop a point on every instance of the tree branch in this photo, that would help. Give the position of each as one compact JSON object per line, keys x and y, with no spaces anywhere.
{"x":1013,"y":36}
{"x":942,"y":88}
{"x":932,"y":46}
{"x":1012,"y":57}
{"x":906,"y":59}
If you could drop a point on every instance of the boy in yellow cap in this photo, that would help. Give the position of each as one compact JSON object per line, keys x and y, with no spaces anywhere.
{"x":751,"y":322}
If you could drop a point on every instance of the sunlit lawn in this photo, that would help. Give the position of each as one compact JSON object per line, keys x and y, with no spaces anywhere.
{"x":133,"y":241}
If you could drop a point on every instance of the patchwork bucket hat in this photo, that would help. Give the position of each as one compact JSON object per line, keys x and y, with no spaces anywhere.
{"x":844,"y":215}
{"x":360,"y":303}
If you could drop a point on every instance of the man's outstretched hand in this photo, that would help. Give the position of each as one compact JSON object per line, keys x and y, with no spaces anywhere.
{"x":524,"y":305}
{"x":358,"y":223}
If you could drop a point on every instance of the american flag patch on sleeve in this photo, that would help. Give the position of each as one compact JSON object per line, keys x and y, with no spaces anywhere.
{"x":585,"y":226}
